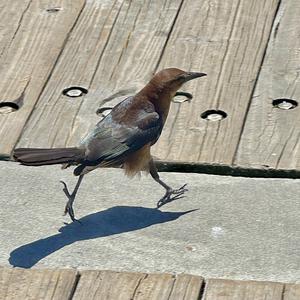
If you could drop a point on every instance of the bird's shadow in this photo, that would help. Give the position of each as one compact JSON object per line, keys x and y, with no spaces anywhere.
{"x":111,"y":221}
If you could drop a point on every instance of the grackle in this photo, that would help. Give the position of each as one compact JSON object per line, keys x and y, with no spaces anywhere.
{"x":122,"y":139}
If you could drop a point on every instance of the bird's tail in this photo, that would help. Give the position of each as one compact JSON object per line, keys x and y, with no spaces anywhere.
{"x":40,"y":156}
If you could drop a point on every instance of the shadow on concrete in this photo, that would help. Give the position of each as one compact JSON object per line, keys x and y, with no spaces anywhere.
{"x":112,"y":221}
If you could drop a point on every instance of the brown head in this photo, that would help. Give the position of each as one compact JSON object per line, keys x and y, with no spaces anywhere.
{"x":162,"y":87}
{"x":172,"y":79}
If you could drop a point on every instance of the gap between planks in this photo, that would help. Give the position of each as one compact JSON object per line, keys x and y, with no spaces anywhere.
{"x":271,"y":135}
{"x":206,"y":36}
{"x":31,"y":44}
{"x":197,"y":166}
{"x":111,"y":285}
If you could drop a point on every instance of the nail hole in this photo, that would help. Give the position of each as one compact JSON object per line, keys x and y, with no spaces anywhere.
{"x":214,"y":115}
{"x":103,"y":111}
{"x":75,"y":91}
{"x":8,"y":107}
{"x":53,"y":9}
{"x":181,"y":97}
{"x":284,"y":103}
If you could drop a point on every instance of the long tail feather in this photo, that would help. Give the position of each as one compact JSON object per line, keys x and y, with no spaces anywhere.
{"x":41,"y":156}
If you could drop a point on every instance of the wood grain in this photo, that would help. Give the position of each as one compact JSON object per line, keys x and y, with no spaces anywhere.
{"x":43,"y":284}
{"x":271,"y":135}
{"x":291,"y":292}
{"x":110,"y":285}
{"x":226,"y":40}
{"x":11,"y":14}
{"x":28,"y":56}
{"x":218,"y":289}
{"x":155,"y":287}
{"x":107,"y":285}
{"x":115,"y":45}
{"x":186,"y":287}
{"x":137,"y":286}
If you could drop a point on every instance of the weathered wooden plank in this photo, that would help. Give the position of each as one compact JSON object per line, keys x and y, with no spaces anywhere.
{"x":45,"y":284}
{"x":28,"y":56}
{"x":155,"y":287}
{"x":291,"y":292}
{"x":114,"y":46}
{"x":271,"y":135}
{"x":227,"y":40}
{"x":186,"y":287}
{"x":169,"y":287}
{"x":218,"y":289}
{"x":137,"y":286}
{"x":11,"y":14}
{"x":107,"y":285}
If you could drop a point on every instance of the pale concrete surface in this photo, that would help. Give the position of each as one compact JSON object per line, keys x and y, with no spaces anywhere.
{"x":242,"y":229}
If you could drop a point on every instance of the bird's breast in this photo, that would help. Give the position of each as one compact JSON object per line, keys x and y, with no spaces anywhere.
{"x":137,"y":161}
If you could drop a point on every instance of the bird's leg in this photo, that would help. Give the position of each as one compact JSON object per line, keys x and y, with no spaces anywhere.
{"x":71,"y":198}
{"x":170,"y":194}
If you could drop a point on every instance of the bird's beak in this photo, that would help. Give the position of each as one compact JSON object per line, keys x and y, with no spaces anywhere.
{"x":193,"y":75}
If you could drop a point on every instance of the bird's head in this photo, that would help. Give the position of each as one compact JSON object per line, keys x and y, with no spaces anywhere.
{"x":172,"y":79}
{"x":163,"y":86}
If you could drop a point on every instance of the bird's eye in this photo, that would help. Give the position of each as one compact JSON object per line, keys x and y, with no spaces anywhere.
{"x":178,"y":78}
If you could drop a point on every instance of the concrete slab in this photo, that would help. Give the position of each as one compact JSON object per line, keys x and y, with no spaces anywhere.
{"x":229,"y":227}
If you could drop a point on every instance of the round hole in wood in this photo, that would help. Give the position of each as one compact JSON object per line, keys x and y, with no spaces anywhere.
{"x":181,"y":97}
{"x":103,"y":111}
{"x":8,"y":107}
{"x":284,"y":103}
{"x":74,"y":91}
{"x":214,"y":115}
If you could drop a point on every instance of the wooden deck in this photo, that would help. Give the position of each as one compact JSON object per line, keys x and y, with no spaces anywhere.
{"x":63,"y":284}
{"x":249,"y":49}
{"x":251,"y":53}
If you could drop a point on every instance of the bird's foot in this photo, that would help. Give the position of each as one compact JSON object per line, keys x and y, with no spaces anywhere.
{"x":70,"y":211}
{"x":172,"y":195}
{"x":69,"y":206}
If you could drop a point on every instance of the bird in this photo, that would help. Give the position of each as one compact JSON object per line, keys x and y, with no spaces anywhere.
{"x":122,"y":139}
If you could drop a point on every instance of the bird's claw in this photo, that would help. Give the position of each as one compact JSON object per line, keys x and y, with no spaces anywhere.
{"x":69,"y":206}
{"x":70,"y":211}
{"x":177,"y":194}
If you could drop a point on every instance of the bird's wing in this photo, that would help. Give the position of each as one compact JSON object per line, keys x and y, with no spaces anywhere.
{"x":113,"y":138}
